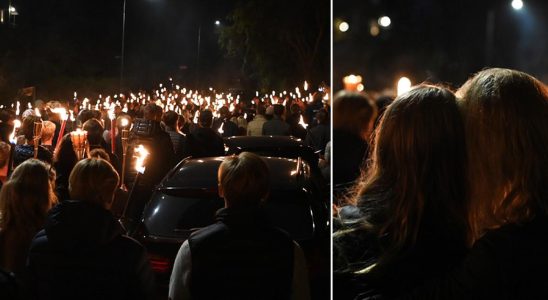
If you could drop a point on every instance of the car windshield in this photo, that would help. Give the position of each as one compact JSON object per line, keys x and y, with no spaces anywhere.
{"x":175,"y":215}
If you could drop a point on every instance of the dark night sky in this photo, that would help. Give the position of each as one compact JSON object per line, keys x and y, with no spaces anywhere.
{"x":82,"y":39}
{"x":438,"y":41}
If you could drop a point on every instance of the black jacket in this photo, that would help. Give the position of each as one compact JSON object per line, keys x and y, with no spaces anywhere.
{"x":241,"y":257}
{"x":506,"y":263}
{"x":24,"y":152}
{"x":83,"y":254}
{"x":204,"y":142}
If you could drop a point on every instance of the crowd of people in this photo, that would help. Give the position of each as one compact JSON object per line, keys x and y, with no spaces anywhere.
{"x":60,"y":236}
{"x":449,"y":197}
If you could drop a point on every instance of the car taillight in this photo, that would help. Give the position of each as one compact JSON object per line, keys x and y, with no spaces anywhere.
{"x":159,"y":264}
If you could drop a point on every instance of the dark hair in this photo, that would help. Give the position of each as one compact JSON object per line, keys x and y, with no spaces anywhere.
{"x":506,"y":121}
{"x":170,"y":119}
{"x":261,"y":109}
{"x":206,"y":118}
{"x":322,"y":117}
{"x":99,"y":153}
{"x":244,"y":179}
{"x":353,"y":112}
{"x":278,"y":110}
{"x":152,"y":111}
{"x":416,"y":171}
{"x":95,"y":131}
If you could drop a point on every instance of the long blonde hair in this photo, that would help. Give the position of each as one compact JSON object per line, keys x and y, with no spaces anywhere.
{"x":506,"y":121}
{"x":26,"y":197}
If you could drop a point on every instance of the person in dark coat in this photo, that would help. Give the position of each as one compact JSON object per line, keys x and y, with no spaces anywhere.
{"x":161,"y":159}
{"x":178,"y":139}
{"x":353,"y":118}
{"x":319,"y":135}
{"x":505,"y":113}
{"x":83,"y":252}
{"x":229,"y":128}
{"x":204,"y":141}
{"x":241,"y":256}
{"x":276,"y":126}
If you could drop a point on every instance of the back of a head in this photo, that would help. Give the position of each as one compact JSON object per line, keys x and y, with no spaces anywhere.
{"x":152,"y":112}
{"x":170,"y":119}
{"x":48,"y":130}
{"x":244,"y":180}
{"x":278,"y":110}
{"x":353,"y":112}
{"x":322,"y":116}
{"x":27,"y":126}
{"x":94,"y":130}
{"x":94,"y":181}
{"x":261,"y":109}
{"x":206,"y":118}
{"x":419,"y":155}
{"x":27,"y":196}
{"x":506,"y":121}
{"x":223,"y":112}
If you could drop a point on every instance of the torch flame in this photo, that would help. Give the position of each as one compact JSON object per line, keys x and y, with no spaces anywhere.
{"x":16,"y":124}
{"x":221,"y":131}
{"x":302,"y":123}
{"x":142,"y":154}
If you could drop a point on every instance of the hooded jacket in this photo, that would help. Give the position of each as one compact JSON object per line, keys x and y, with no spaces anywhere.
{"x":83,"y":254}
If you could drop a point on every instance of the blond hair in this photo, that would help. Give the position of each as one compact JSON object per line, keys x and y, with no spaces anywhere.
{"x":48,"y":130}
{"x":26,"y":197}
{"x":93,"y":180}
{"x":244,"y":179}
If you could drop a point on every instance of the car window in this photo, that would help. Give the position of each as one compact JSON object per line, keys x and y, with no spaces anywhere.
{"x":174,"y":216}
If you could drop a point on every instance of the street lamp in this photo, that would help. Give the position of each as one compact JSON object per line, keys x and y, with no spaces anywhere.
{"x":343,"y":27}
{"x":517,"y":4}
{"x":385,"y":21}
{"x":123,"y":46}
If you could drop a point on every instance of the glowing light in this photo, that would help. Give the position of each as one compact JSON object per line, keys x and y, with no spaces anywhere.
{"x":124,"y":122}
{"x":16,"y":124}
{"x":360,"y":87}
{"x":221,"y":131}
{"x":217,"y":22}
{"x":351,"y":82}
{"x":517,"y":4}
{"x":141,"y":156}
{"x":385,"y":21}
{"x":302,"y":123}
{"x":196,"y":114}
{"x":343,"y":27}
{"x":305,"y":86}
{"x":404,"y":85}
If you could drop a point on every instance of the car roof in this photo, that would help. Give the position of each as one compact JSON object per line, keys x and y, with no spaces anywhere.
{"x":201,"y":173}
{"x":263,"y":141}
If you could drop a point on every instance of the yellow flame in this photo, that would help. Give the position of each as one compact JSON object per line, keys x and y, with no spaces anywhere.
{"x":142,"y":154}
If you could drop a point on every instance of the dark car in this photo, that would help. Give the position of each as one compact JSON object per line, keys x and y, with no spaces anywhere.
{"x":187,"y":200}
{"x":276,"y":146}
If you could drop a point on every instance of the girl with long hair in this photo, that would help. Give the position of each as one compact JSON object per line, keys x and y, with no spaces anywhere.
{"x":506,"y":121}
{"x":24,"y":202}
{"x":411,"y":201}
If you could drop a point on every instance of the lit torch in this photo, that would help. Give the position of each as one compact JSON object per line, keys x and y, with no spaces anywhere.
{"x":79,"y":142}
{"x":63,"y":114}
{"x":36,"y":137}
{"x":16,"y":125}
{"x":141,"y":156}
